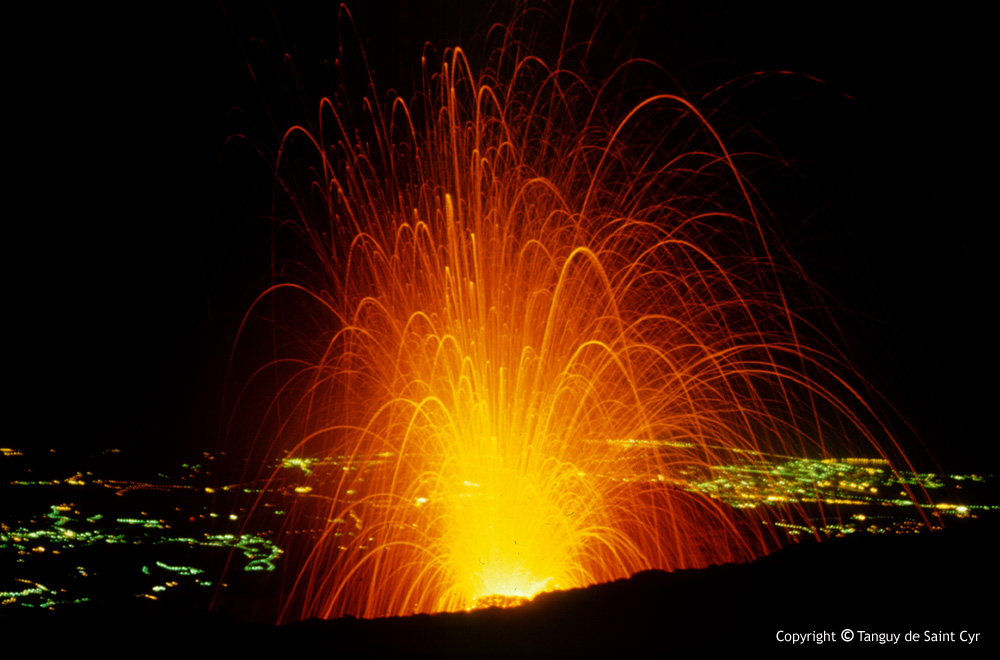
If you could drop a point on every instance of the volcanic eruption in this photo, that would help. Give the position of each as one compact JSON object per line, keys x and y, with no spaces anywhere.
{"x":523,"y":310}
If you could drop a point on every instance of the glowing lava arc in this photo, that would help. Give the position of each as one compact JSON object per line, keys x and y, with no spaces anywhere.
{"x":519,"y":318}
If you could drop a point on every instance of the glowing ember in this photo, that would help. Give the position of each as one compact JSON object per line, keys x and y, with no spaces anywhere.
{"x":542,"y":311}
{"x":497,"y":600}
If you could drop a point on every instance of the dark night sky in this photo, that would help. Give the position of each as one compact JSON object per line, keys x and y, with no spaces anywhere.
{"x":133,"y":255}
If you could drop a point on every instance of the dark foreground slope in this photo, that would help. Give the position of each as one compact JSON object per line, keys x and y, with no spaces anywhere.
{"x":945,"y":582}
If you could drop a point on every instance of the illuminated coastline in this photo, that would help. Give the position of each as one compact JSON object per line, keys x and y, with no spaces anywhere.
{"x":151,"y":525}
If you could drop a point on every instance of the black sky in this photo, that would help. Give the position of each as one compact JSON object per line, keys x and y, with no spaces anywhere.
{"x":133,"y":251}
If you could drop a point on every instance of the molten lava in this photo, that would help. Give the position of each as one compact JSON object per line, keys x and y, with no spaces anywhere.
{"x":519,"y":318}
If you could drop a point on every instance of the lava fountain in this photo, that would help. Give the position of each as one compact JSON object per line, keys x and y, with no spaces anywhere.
{"x":519,"y":312}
